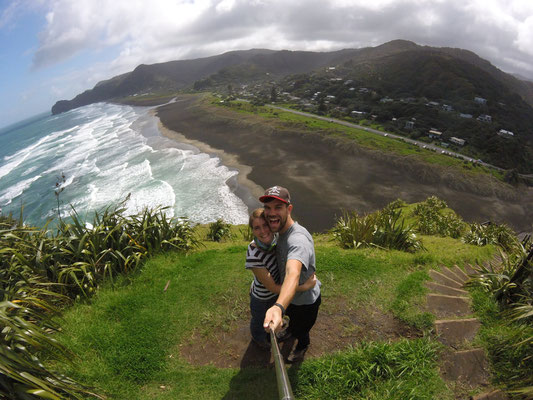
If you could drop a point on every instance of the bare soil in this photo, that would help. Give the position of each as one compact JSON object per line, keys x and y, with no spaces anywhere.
{"x":338,"y":326}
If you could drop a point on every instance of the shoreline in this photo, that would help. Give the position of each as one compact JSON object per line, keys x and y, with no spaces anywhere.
{"x":244,"y":188}
{"x":327,"y":175}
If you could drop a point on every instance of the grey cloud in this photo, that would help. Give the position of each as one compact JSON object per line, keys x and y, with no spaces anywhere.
{"x":303,"y":24}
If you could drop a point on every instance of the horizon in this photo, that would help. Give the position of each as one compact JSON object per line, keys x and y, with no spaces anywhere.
{"x":55,"y":50}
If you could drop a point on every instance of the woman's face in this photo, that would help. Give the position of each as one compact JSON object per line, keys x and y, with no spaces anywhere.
{"x":261,"y":230}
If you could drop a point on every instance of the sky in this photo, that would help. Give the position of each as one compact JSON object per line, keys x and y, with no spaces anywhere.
{"x":55,"y":49}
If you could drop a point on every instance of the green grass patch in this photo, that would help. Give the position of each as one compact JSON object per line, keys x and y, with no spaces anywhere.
{"x":127,"y":338}
{"x":403,"y":370}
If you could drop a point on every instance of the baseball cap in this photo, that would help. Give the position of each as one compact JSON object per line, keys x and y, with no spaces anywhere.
{"x":276,"y":192}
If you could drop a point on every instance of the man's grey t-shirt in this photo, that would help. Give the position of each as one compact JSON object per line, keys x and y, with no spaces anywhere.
{"x":297,"y":244}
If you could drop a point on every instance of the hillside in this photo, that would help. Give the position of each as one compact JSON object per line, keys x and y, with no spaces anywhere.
{"x":431,"y":90}
{"x":176,"y":75}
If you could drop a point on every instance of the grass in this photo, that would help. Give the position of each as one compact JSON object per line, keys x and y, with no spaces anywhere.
{"x":371,"y":371}
{"x":127,"y":338}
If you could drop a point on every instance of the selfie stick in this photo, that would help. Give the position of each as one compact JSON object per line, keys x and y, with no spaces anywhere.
{"x":284,"y":385}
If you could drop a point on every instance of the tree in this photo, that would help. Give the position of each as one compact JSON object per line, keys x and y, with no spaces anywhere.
{"x":322,"y":108}
{"x":273,"y":94}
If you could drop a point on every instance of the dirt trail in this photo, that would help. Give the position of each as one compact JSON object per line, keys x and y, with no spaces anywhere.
{"x":338,"y":326}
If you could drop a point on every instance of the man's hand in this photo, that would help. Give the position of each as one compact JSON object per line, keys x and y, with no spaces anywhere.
{"x":273,"y":319}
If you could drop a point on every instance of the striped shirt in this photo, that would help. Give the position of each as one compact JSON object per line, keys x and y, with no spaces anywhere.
{"x":257,"y":258}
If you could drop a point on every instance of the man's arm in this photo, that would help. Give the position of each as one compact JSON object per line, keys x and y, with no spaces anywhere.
{"x":288,"y":289}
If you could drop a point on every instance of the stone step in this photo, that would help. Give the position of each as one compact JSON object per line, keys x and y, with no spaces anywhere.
{"x":443,"y":289}
{"x":469,"y":367}
{"x":454,"y":332}
{"x":470,"y":270}
{"x":444,"y":280}
{"x":444,"y":306}
{"x":450,"y":274}
{"x":460,"y":274}
{"x":494,"y":395}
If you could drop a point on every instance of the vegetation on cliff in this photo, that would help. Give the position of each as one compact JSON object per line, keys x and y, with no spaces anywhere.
{"x":128,"y":340}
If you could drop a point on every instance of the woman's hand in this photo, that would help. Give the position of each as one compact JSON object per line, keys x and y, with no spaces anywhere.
{"x":308,"y":284}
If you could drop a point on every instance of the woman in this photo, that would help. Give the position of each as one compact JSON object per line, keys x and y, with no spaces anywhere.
{"x":261,"y":259}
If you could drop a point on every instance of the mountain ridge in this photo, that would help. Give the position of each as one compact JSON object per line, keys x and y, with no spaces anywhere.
{"x":180,"y":74}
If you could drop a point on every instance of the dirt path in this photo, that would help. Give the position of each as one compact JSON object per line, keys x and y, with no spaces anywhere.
{"x":338,"y":326}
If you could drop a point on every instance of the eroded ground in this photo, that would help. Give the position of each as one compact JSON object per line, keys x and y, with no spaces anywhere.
{"x":338,"y":326}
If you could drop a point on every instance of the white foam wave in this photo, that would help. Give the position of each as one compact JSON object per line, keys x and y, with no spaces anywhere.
{"x":20,"y":156}
{"x":29,"y":171}
{"x":104,"y":157}
{"x":12,"y":192}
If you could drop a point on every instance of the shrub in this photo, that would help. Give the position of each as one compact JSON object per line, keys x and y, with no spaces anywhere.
{"x":511,"y":284}
{"x":431,"y":220}
{"x":219,"y":230}
{"x":247,"y":234}
{"x":24,"y":331}
{"x":384,"y":229}
{"x":483,"y":234}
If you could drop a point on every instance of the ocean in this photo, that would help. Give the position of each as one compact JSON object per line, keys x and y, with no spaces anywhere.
{"x":101,"y":154}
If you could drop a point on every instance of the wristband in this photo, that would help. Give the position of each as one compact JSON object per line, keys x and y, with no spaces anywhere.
{"x":282,"y":309}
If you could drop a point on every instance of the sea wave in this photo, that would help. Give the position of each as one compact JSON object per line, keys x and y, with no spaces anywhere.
{"x":11,"y":193}
{"x":107,"y":152}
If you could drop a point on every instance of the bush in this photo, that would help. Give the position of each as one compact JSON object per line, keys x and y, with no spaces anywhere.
{"x":511,"y":285}
{"x":384,"y":229}
{"x":431,"y":220}
{"x":219,"y":230}
{"x":484,"y":234}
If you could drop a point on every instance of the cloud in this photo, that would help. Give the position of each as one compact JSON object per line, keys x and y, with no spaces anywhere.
{"x":163,"y":30}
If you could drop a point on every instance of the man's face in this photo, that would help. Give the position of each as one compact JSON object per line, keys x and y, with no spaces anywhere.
{"x":276,"y":213}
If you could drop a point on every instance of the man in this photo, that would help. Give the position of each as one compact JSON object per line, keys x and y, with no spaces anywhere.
{"x":295,"y":252}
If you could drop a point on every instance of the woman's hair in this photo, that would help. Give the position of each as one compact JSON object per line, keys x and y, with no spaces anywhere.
{"x":257,"y":213}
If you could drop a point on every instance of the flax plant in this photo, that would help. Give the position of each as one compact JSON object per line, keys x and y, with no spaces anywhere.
{"x":41,"y":270}
{"x":510,"y":283}
{"x":384,"y":229}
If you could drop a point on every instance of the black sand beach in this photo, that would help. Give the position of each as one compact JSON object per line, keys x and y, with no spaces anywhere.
{"x":327,"y":175}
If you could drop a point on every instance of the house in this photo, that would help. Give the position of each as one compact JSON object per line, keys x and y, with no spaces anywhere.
{"x":456,"y":140}
{"x":480,"y":100}
{"x":348,"y":82}
{"x":386,"y":99}
{"x":465,"y":115}
{"x":447,"y":107}
{"x":506,"y":134}
{"x":484,"y":118}
{"x":357,"y":113}
{"x":364,"y":90}
{"x":432,"y":104}
{"x":409,"y":125}
{"x":434,"y":134}
{"x":329,"y":96}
